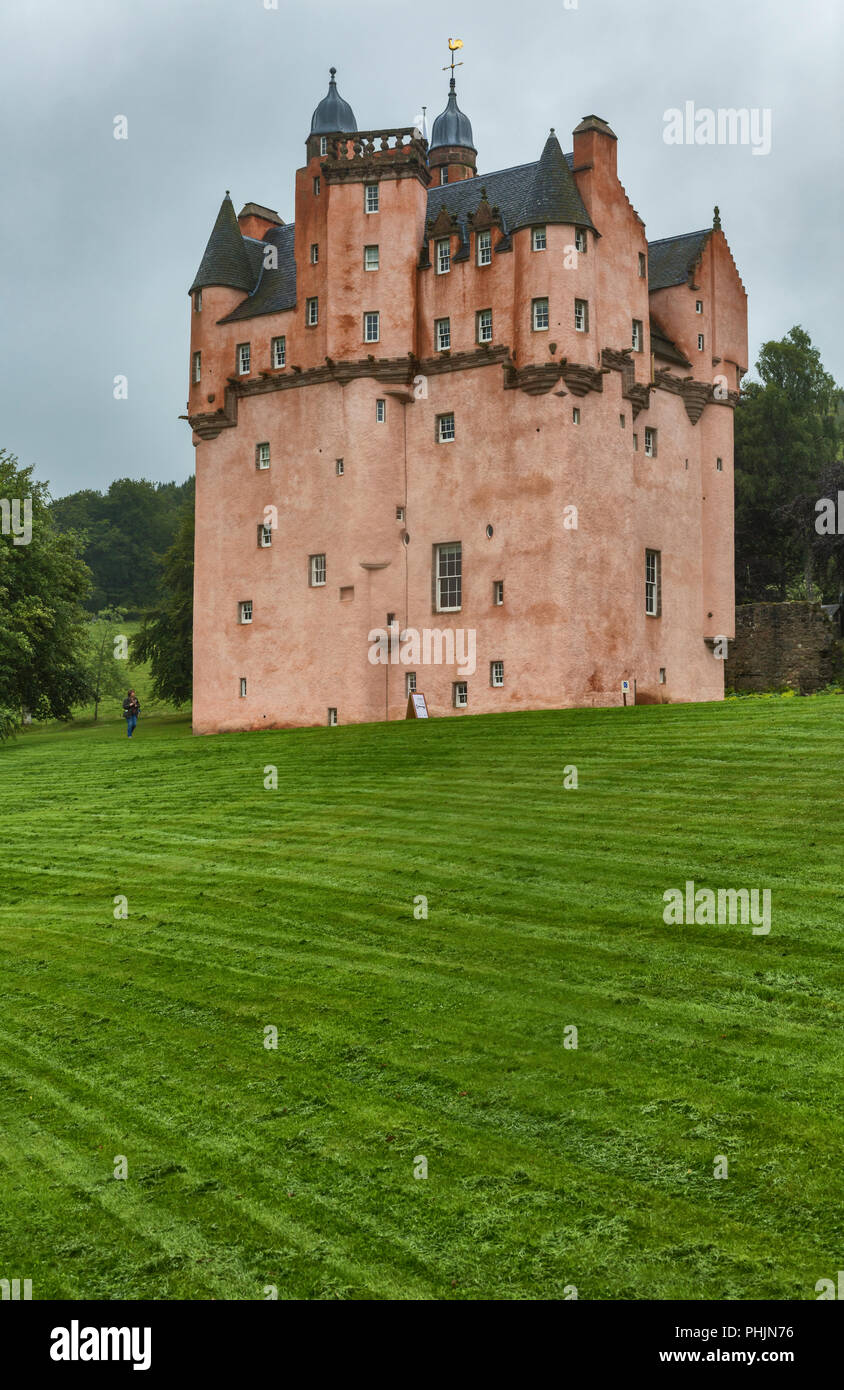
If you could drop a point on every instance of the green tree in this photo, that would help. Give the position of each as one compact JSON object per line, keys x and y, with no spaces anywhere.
{"x":786,"y":430}
{"x":166,"y":636}
{"x":43,"y":582}
{"x":105,"y":670}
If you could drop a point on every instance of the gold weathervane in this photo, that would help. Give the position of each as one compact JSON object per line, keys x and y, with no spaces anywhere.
{"x":453,"y":44}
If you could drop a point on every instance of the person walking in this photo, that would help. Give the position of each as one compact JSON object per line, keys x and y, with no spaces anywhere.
{"x":131,"y":710}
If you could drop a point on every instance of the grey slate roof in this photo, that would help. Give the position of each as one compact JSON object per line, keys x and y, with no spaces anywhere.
{"x":671,"y":260}
{"x":226,"y":261}
{"x":552,"y":196}
{"x":274,"y":290}
{"x":452,"y":126}
{"x":333,"y":115}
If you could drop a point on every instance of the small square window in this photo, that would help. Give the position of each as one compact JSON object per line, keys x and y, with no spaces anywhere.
{"x":484,"y":325}
{"x":332,"y":717}
{"x":243,"y":687}
{"x":197,"y":367}
{"x":371,"y":327}
{"x":638,"y":336}
{"x":265,"y":535}
{"x":317,"y":570}
{"x":443,"y":250}
{"x":540,"y":315}
{"x":410,"y":683}
{"x":312,"y":312}
{"x":719,"y":465}
{"x":540,"y":240}
{"x":339,"y":468}
{"x":700,"y":342}
{"x":347,"y":593}
{"x":380,"y":412}
{"x":698,"y":306}
{"x":484,"y":248}
{"x":650,"y":443}
{"x":498,"y":592}
{"x":371,"y":197}
{"x":581,"y":316}
{"x":244,"y":611}
{"x":244,"y":357}
{"x":278,"y":351}
{"x":445,"y":428}
{"x":371,"y":258}
{"x":575,"y":415}
{"x":197,"y":301}
{"x":316,"y":186}
{"x":314,"y":252}
{"x":460,"y":694}
{"x":643,"y":265}
{"x":399,"y":513}
{"x":442,"y":334}
{"x":262,"y":456}
{"x":496,"y":673}
{"x":323,"y":144}
{"x":580,"y":242}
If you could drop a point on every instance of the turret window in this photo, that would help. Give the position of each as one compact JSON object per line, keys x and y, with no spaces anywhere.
{"x":443,"y":256}
{"x":323,"y":144}
{"x":540,"y":315}
{"x":244,"y":354}
{"x":444,"y":174}
{"x":197,"y":367}
{"x":484,"y":248}
{"x":197,"y":301}
{"x":580,"y":242}
{"x":540,"y":240}
{"x":371,"y":197}
{"x":442,"y":334}
{"x":581,"y":316}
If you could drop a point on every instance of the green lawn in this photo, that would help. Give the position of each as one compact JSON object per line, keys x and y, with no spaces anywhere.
{"x":547,"y":1166}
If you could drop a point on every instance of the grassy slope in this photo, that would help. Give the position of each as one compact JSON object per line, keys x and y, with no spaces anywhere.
{"x":398,"y":1037}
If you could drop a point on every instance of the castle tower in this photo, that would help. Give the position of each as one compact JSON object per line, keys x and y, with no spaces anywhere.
{"x":451,"y":154}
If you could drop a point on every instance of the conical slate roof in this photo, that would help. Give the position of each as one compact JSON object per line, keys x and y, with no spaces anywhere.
{"x":333,"y":115}
{"x":452,"y":126}
{"x":226,"y":261}
{"x":552,"y":196}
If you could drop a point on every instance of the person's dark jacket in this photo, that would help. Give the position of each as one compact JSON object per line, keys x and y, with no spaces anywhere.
{"x":131,"y":707}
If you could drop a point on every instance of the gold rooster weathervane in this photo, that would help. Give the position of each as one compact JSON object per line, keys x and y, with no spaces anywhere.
{"x":453,"y":44}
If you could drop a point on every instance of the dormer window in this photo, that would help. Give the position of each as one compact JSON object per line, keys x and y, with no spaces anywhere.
{"x":371,"y":198}
{"x":540,"y":239}
{"x":443,"y":256}
{"x":484,"y":248}
{"x":580,"y":242}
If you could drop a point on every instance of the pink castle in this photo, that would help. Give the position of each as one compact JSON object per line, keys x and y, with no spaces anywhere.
{"x":470,"y":435}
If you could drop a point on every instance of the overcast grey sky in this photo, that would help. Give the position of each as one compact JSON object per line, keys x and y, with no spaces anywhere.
{"x":100,"y":238}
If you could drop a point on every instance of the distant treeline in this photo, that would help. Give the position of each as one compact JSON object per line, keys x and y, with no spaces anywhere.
{"x":125,"y":533}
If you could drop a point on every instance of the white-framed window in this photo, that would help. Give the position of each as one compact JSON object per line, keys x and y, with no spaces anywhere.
{"x":197,"y":367}
{"x":314,"y":253}
{"x":339,"y":468}
{"x":445,"y":428}
{"x":371,"y":197}
{"x":498,"y":592}
{"x":443,"y":250}
{"x":410,"y":683}
{"x":653,"y":583}
{"x":484,"y":248}
{"x":539,"y":239}
{"x":244,"y":611}
{"x":496,"y":673}
{"x":581,"y":316}
{"x":575,"y":414}
{"x":700,"y":342}
{"x":317,"y":570}
{"x":262,"y":455}
{"x":371,"y":326}
{"x":244,"y":358}
{"x":197,"y":301}
{"x":460,"y":694}
{"x":399,"y":513}
{"x":448,"y":575}
{"x":638,"y":338}
{"x":442,"y":334}
{"x":643,"y":265}
{"x":371,"y":258}
{"x":323,"y":144}
{"x":243,"y":687}
{"x":719,"y":465}
{"x":444,"y":174}
{"x":698,"y":306}
{"x":332,"y":717}
{"x":312,"y":312}
{"x":317,"y":186}
{"x":540,"y":315}
{"x":380,"y":412}
{"x":650,"y":443}
{"x":265,"y":535}
{"x":581,"y":243}
{"x":483,"y":320}
{"x":278,"y":351}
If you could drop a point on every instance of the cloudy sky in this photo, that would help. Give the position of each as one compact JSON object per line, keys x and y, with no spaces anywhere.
{"x":100,"y":238}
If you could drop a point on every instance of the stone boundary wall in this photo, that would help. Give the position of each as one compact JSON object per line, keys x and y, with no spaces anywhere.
{"x":779,"y":646}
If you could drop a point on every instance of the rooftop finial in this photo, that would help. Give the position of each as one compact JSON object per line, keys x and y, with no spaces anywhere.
{"x":716,"y":218}
{"x":453,"y":44}
{"x":333,"y":72}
